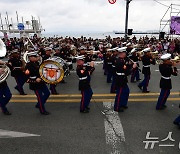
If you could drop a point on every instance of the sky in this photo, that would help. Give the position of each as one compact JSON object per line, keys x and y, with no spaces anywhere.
{"x":88,"y":15}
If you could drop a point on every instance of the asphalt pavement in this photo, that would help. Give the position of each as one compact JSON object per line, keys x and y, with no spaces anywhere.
{"x":102,"y":131}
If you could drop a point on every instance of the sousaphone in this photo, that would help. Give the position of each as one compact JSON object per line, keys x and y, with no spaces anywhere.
{"x":4,"y":69}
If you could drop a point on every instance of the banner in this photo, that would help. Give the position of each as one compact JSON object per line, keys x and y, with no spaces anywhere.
{"x":175,"y":25}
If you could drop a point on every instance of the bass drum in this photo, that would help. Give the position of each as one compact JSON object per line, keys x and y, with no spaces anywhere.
{"x":63,"y":63}
{"x":53,"y":70}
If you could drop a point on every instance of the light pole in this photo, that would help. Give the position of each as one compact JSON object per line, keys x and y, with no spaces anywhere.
{"x":127,"y":12}
{"x":126,"y":21}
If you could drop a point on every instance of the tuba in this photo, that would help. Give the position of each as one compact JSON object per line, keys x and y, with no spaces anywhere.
{"x":26,"y":59}
{"x":4,"y":72}
{"x":4,"y":69}
{"x":2,"y":49}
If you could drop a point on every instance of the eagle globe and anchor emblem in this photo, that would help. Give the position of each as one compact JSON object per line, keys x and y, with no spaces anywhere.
{"x":51,"y":72}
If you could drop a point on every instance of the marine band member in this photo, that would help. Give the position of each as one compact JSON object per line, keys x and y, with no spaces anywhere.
{"x":17,"y":71}
{"x":84,"y":73}
{"x":166,"y":71}
{"x":122,"y":89}
{"x":35,"y":82}
{"x":5,"y":94}
{"x":147,"y":60}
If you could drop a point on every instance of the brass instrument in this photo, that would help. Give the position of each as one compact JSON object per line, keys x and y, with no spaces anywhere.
{"x":2,"y":49}
{"x":154,"y":54}
{"x":4,"y":72}
{"x":26,"y":59}
{"x":176,"y":59}
{"x":4,"y":69}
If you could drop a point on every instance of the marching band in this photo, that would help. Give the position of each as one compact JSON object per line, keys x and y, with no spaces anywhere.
{"x":120,"y":59}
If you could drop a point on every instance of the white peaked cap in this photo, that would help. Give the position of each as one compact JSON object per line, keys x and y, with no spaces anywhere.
{"x":123,"y":49}
{"x":133,"y":50}
{"x":147,"y":50}
{"x":166,"y":56}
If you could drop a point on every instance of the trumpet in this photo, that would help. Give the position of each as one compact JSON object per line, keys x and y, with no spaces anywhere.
{"x":176,"y":59}
{"x":154,"y":54}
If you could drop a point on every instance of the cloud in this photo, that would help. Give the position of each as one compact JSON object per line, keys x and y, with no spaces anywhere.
{"x":86,"y":15}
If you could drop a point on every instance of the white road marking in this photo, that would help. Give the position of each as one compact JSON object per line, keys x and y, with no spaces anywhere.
{"x":12,"y":134}
{"x":113,"y":129}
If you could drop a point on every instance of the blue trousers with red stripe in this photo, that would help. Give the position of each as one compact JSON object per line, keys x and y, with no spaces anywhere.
{"x":86,"y":98}
{"x":5,"y":96}
{"x":145,"y":82}
{"x":122,"y":95}
{"x":105,"y":68}
{"x":42,"y":96}
{"x":113,"y":85}
{"x":177,"y":120}
{"x":162,"y":98}
{"x":109,"y":75}
{"x":20,"y":80}
{"x":135,"y":74}
{"x":53,"y":88}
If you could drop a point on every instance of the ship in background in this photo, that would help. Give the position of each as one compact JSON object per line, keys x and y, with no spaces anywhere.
{"x":21,"y":28}
{"x":137,"y":32}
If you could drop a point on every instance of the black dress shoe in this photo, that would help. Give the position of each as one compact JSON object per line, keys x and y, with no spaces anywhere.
{"x":55,"y":93}
{"x":125,"y":107}
{"x":145,"y":91}
{"x":63,"y":81}
{"x":84,"y":111}
{"x":176,"y":123}
{"x":45,"y":113}
{"x":17,"y":89}
{"x":23,"y":93}
{"x":37,"y":106}
{"x":120,"y":110}
{"x":88,"y":108}
{"x":140,"y":87}
{"x":7,"y":113}
{"x":160,"y":108}
{"x":164,"y":106}
{"x":138,"y":79}
{"x":133,"y":81}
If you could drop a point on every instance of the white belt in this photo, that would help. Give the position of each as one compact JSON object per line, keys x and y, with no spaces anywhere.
{"x":109,"y":63}
{"x":33,"y":77}
{"x":69,"y":63}
{"x":167,"y":78}
{"x":146,"y":65}
{"x":83,"y":78}
{"x":120,"y":73}
{"x":17,"y":67}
